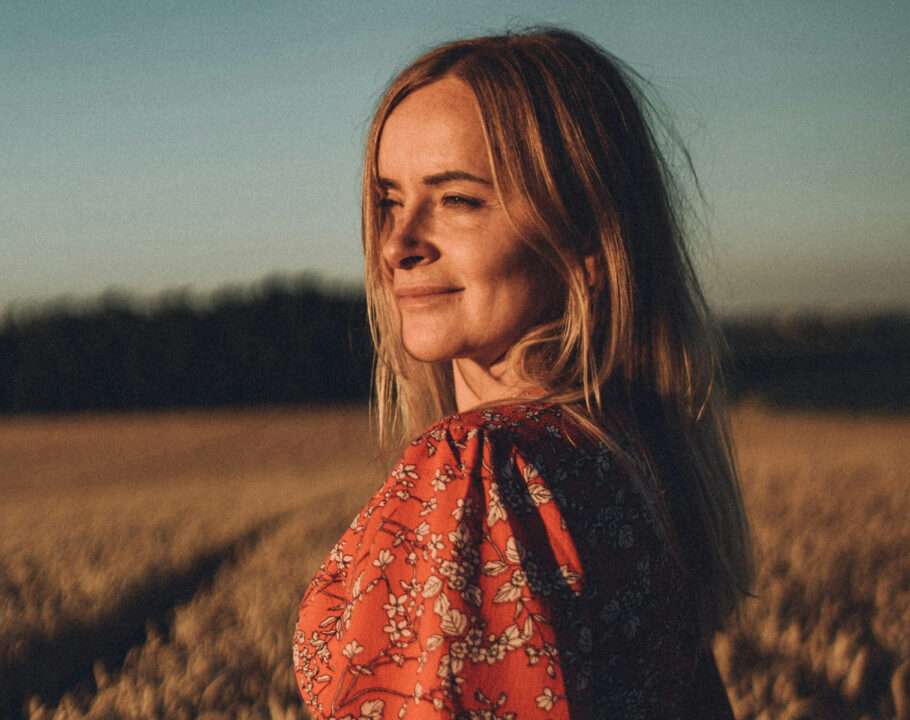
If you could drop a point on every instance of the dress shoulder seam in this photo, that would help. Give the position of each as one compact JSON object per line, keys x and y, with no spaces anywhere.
{"x":487,"y":420}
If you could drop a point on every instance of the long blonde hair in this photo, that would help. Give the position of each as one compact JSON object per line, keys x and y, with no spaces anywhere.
{"x":632,"y":348}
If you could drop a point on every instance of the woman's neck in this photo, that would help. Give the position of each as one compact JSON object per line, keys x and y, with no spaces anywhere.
{"x":476,"y":384}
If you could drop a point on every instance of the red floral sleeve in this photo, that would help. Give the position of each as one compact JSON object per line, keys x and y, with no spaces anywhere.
{"x":458,"y":590}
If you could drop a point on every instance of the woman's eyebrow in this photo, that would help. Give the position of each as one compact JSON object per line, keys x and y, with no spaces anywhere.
{"x":449,"y":175}
{"x":438,"y":179}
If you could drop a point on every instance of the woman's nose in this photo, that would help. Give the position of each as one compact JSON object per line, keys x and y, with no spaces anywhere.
{"x":408,"y":243}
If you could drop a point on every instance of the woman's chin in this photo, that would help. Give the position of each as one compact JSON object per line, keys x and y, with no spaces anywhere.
{"x":426,"y":342}
{"x":427,"y":352}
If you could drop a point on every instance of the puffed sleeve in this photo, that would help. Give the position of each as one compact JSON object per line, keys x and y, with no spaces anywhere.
{"x":452,"y":594}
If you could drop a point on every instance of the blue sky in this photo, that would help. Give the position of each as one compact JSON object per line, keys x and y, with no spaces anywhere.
{"x":155,"y":145}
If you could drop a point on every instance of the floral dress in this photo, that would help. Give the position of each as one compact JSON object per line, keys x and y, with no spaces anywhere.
{"x":509,"y":567}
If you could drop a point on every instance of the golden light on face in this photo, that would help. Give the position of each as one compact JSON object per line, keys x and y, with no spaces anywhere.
{"x":465,"y":284}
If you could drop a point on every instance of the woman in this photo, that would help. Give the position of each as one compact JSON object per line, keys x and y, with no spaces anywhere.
{"x":568,"y":532}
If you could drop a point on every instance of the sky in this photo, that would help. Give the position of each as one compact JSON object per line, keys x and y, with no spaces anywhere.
{"x":154,"y":145}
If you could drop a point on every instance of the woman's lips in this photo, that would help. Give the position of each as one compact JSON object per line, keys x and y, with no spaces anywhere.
{"x":421,"y":295}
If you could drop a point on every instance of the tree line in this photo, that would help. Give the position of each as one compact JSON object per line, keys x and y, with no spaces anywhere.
{"x":292,"y":341}
{"x":857,"y":362}
{"x":282,"y":342}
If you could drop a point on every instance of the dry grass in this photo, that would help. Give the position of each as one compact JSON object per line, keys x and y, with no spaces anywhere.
{"x":828,"y":634}
{"x":150,"y":565}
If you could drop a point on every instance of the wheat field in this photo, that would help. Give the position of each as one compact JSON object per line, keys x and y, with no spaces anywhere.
{"x":151,"y":564}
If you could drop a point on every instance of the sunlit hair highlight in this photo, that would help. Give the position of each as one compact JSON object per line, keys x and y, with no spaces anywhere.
{"x":630,"y":352}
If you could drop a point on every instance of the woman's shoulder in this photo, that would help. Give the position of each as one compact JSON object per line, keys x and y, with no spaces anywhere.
{"x":518,"y":425}
{"x":515,"y":444}
{"x":520,"y":453}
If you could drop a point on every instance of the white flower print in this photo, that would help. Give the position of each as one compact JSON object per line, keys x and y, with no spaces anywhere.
{"x":352,"y":649}
{"x":395,"y":605}
{"x":515,"y":553}
{"x":539,"y":493}
{"x":546,"y":699}
{"x":403,"y":471}
{"x":384,"y":559}
{"x":432,"y":586}
{"x":371,"y":710}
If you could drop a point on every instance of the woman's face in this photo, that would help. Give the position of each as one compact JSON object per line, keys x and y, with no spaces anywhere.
{"x":465,"y":284}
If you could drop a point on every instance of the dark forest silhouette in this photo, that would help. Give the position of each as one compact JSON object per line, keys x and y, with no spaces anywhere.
{"x":283,"y":342}
{"x":290,"y":341}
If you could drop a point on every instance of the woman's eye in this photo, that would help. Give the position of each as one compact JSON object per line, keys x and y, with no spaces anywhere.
{"x":386,"y":203}
{"x":461,"y":201}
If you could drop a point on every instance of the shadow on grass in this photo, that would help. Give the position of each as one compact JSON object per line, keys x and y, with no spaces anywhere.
{"x":50,"y":667}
